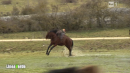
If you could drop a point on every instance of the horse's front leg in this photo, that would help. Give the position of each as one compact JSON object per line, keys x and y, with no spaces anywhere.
{"x":48,"y":49}
{"x":51,"y":49}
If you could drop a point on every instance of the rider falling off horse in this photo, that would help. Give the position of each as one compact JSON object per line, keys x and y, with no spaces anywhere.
{"x":60,"y":33}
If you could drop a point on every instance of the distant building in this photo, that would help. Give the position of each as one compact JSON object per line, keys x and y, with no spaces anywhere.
{"x":112,"y":3}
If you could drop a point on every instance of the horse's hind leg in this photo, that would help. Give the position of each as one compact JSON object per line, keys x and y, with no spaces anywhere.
{"x":70,"y":54}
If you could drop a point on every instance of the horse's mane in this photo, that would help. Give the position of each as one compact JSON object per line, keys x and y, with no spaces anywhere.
{"x":54,"y":31}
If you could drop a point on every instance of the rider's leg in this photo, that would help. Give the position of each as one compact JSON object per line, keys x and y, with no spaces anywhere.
{"x":61,"y":37}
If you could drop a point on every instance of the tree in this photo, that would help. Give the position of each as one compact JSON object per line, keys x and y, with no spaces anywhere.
{"x":15,"y":11}
{"x":127,"y":2}
{"x":41,"y":7}
{"x":93,"y":11}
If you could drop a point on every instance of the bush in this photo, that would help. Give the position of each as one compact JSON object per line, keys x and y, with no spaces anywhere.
{"x":5,"y":27}
{"x":6,"y":2}
{"x":25,"y":24}
{"x":40,"y":8}
{"x":70,"y":1}
{"x":27,"y":10}
{"x":43,"y":21}
{"x":28,"y":25}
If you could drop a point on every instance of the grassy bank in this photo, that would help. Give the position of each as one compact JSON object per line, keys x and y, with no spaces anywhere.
{"x":73,"y":34}
{"x":90,"y":45}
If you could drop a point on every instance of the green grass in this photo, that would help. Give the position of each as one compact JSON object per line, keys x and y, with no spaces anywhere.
{"x":100,"y":33}
{"x":8,"y":8}
{"x":113,"y":56}
{"x":38,"y":62}
{"x":24,"y":35}
{"x":73,"y":34}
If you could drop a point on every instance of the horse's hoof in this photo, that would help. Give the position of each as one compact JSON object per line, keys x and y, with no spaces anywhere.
{"x":47,"y":53}
{"x":70,"y":55}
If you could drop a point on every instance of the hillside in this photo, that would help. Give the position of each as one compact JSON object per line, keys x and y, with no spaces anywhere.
{"x":7,"y":8}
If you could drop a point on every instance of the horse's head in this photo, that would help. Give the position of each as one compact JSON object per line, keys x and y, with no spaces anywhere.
{"x":50,"y":35}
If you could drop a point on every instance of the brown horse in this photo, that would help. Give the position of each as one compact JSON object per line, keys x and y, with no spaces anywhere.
{"x":55,"y":40}
{"x":86,"y":69}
